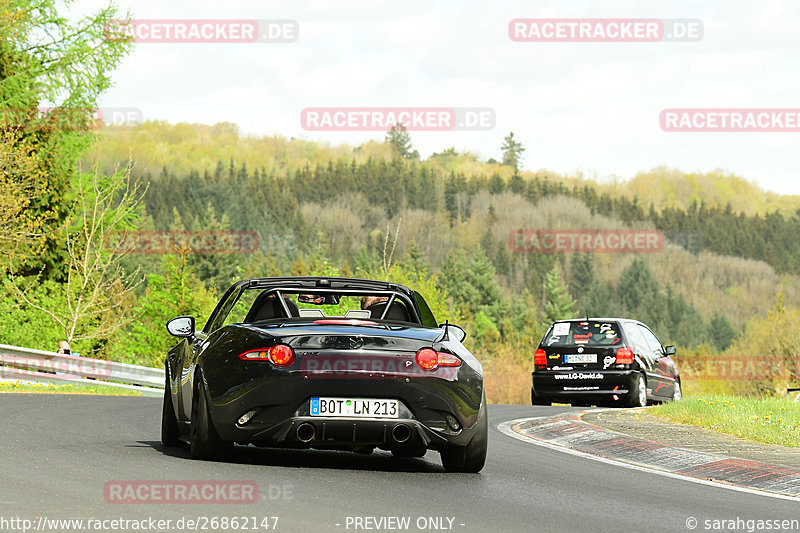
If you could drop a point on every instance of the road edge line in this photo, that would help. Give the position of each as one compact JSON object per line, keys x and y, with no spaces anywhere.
{"x":505,"y":428}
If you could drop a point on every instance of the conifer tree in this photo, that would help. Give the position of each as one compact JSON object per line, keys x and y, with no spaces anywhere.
{"x":558,"y":304}
{"x":582,"y":269}
{"x":512,"y":151}
{"x":400,"y":141}
{"x":721,"y":331}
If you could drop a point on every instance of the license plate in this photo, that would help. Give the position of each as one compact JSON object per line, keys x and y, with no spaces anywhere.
{"x":354,"y":407}
{"x":581,"y":358}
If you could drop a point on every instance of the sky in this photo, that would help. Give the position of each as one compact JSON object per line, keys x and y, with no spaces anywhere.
{"x":577,"y":107}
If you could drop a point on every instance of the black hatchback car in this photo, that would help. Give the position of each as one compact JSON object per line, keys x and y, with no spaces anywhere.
{"x":603,"y":361}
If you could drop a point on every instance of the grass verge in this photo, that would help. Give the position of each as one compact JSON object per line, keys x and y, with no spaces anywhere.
{"x":766,"y":420}
{"x":51,"y":388}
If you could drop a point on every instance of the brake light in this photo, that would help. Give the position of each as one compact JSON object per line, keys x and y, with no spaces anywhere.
{"x":624,"y":356}
{"x":279,"y":355}
{"x":346,"y":322}
{"x":429,"y":359}
{"x":540,"y":358}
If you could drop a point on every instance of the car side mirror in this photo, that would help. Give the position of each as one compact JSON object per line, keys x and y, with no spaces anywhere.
{"x":457,"y":332}
{"x":182,"y":326}
{"x":669,"y":350}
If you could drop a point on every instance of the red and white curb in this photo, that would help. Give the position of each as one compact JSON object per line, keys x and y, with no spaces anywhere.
{"x":567,"y":432}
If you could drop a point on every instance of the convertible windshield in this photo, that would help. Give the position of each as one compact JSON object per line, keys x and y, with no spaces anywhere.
{"x":257,"y":305}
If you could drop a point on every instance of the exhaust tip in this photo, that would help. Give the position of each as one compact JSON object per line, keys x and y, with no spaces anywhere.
{"x":401,"y":433}
{"x":305,"y":432}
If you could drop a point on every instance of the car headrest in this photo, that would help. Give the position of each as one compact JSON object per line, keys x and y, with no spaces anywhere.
{"x":396,"y":312}
{"x":269,"y":308}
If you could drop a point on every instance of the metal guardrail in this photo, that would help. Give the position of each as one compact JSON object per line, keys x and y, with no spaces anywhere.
{"x":39,"y":366}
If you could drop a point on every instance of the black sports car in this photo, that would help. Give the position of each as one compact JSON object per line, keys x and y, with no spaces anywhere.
{"x":596,"y":361}
{"x":337,"y":363}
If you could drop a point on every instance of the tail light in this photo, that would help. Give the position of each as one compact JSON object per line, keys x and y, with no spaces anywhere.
{"x":540,"y":358}
{"x":429,"y":359}
{"x":624,"y":356}
{"x":279,"y":355}
{"x":346,"y":322}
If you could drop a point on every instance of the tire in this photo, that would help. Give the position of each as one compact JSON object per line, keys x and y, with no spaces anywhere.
{"x":536,"y":400}
{"x":472,"y":457}
{"x":637,"y":397}
{"x":677,"y":393}
{"x":410,"y":452}
{"x":170,"y":434}
{"x":205,"y":442}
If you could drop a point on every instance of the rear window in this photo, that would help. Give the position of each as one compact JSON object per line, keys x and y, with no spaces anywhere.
{"x":591,"y":333}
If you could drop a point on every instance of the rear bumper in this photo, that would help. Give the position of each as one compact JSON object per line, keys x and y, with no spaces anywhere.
{"x":339,"y":433}
{"x":588,"y":384}
{"x":429,"y":409}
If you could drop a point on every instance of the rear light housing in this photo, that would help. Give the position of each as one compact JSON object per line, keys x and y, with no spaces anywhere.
{"x":279,"y":355}
{"x":429,"y":359}
{"x":540,"y":358}
{"x":346,"y":322}
{"x":624,"y":356}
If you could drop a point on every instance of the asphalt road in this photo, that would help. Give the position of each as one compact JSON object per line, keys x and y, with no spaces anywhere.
{"x":57,"y":453}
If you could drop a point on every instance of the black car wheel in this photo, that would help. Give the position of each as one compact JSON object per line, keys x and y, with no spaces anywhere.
{"x":170,"y":436}
{"x":536,"y":400}
{"x":206,"y":443}
{"x":472,"y":457}
{"x":637,"y":397}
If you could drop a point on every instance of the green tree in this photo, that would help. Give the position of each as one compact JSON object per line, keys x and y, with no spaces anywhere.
{"x":455,"y":280}
{"x":96,"y":288}
{"x":429,"y":287}
{"x":472,"y":284}
{"x":496,"y":184}
{"x":489,"y":295}
{"x":516,"y":183}
{"x":775,"y":341}
{"x":558,"y":305}
{"x":687,"y":327}
{"x":582,"y":278}
{"x":399,"y":139}
{"x":640,"y":294}
{"x":49,"y":60}
{"x":218,"y":270}
{"x":600,"y":301}
{"x":177,"y":292}
{"x":721,"y":331}
{"x":512,"y":151}
{"x":414,"y":260}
